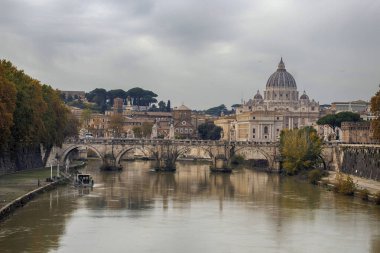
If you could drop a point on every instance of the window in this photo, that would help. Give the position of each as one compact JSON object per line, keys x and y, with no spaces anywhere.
{"x":254,"y":136}
{"x":254,"y":130}
{"x":265,"y":130}
{"x":278,"y":118}
{"x":253,"y":117}
{"x":190,"y":130}
{"x":181,"y":130}
{"x":176,"y":130}
{"x":186,"y":130}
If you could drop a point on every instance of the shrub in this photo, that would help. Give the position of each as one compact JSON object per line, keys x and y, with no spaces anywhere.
{"x":314,"y":176}
{"x":377,"y":198}
{"x":345,"y":185}
{"x":363,"y":194}
{"x":237,"y":159}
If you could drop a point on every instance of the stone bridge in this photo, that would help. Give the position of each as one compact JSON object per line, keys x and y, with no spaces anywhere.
{"x":161,"y":149}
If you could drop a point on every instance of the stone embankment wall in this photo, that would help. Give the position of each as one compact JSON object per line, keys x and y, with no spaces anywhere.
{"x":21,"y":201}
{"x":361,"y":161}
{"x":25,"y":158}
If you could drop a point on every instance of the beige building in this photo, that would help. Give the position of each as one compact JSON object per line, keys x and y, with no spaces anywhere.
{"x":183,"y":126}
{"x":261,"y":119}
{"x":356,"y":132}
{"x":358,"y":106}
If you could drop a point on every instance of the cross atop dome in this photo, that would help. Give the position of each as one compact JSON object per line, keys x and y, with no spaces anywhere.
{"x":281,"y":65}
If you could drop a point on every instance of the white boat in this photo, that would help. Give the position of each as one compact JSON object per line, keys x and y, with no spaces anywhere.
{"x":84,"y":180}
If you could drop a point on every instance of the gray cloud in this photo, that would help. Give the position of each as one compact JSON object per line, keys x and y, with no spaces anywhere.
{"x":202,"y":53}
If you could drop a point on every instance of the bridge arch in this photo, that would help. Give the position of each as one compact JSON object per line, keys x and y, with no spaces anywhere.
{"x":67,"y":151}
{"x":146,"y":151}
{"x":270,"y":157}
{"x":185,"y":150}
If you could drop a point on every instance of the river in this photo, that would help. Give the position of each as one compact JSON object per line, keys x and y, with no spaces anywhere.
{"x":191,"y":210}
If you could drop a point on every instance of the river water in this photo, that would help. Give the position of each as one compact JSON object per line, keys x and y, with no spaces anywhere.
{"x":191,"y":210}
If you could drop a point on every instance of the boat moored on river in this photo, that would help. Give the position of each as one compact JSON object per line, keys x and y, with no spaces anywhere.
{"x":84,"y":180}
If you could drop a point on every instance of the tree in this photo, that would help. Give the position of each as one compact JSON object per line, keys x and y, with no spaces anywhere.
{"x":216,"y":111}
{"x":116,"y":124}
{"x":137,"y":131}
{"x":35,"y":112}
{"x":7,"y":108}
{"x":209,"y":131}
{"x":335,"y":120}
{"x":85,"y":118}
{"x":55,"y":118}
{"x":300,"y":148}
{"x":168,"y":106}
{"x":28,"y":122}
{"x":375,"y":109}
{"x":99,"y":97}
{"x":146,"y":129}
{"x":119,"y":93}
{"x":141,"y":97}
{"x":161,"y":106}
{"x":72,"y":126}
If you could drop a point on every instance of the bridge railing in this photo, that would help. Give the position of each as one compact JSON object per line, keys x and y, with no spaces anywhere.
{"x":182,"y":142}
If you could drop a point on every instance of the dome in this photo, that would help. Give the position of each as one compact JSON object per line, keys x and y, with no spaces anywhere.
{"x":304,"y":96}
{"x":281,"y":78}
{"x":258,"y":96}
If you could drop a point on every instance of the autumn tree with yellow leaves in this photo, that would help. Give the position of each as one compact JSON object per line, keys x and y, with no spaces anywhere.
{"x":300,"y":149}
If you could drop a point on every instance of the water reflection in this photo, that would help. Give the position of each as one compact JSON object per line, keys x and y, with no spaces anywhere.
{"x":138,"y":188}
{"x":221,"y":213}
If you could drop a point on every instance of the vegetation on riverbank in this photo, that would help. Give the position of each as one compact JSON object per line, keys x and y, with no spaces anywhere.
{"x":300,"y":149}
{"x":237,"y":159}
{"x":31,"y":114}
{"x":345,"y":184}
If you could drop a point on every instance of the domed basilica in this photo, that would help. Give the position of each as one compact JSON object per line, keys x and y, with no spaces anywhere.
{"x":262,"y":118}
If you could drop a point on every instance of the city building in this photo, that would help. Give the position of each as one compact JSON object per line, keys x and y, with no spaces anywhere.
{"x":183,"y":126}
{"x":77,"y":112}
{"x":358,"y":106}
{"x":262,"y":118}
{"x":356,"y":132}
{"x":118,"y":105}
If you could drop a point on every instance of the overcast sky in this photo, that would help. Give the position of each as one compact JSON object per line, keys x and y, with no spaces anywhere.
{"x":199,"y":52}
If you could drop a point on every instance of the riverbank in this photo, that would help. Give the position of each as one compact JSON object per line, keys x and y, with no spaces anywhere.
{"x":9,"y":208}
{"x":18,"y":188}
{"x":372,"y":186}
{"x":15,"y":185}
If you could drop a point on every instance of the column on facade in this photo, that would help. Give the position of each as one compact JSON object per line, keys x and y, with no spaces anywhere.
{"x":237,"y":132}
{"x":269,"y":131}
{"x":259,"y":132}
{"x":299,"y":122}
{"x":249,"y":131}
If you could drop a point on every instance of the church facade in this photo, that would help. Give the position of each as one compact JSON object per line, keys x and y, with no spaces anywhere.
{"x":262,"y":118}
